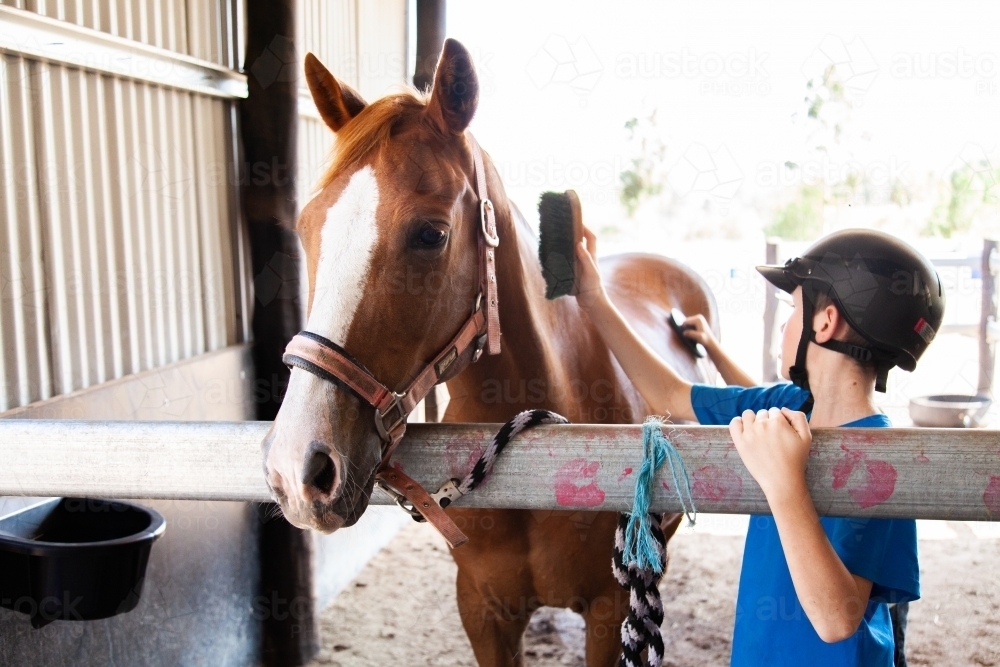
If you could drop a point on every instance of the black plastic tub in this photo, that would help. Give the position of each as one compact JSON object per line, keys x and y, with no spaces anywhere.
{"x":75,"y":559}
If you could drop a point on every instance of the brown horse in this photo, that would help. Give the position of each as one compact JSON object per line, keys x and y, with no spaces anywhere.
{"x":391,"y":243}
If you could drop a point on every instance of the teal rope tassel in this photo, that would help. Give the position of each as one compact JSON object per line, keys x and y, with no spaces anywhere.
{"x":640,"y":546}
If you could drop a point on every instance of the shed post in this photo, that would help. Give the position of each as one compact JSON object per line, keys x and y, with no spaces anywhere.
{"x":432,"y":28}
{"x":770,"y":373}
{"x":269,"y":122}
{"x":988,"y":315}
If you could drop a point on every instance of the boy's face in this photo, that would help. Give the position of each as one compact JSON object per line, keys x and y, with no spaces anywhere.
{"x":791,"y":332}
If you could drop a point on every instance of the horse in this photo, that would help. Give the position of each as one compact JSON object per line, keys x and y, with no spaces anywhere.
{"x":392,"y":241}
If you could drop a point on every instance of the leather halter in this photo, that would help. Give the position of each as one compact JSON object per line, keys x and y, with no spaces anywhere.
{"x":327,"y":360}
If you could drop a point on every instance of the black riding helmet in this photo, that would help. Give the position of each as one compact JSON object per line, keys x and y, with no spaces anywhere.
{"x":888,"y":292}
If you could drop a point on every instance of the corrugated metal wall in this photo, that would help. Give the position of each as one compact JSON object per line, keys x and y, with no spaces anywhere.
{"x":199,"y":28}
{"x":382,"y":34}
{"x":119,"y":242}
{"x":329,"y":28}
{"x":363,"y":43}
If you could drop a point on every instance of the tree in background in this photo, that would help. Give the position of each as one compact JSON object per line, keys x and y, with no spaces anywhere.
{"x":828,"y":176}
{"x":816,"y":189}
{"x":645,"y":178}
{"x":969,"y":194}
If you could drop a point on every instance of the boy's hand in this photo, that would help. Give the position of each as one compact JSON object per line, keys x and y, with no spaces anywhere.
{"x":696,"y":328}
{"x":590,"y":290}
{"x":774,"y":445}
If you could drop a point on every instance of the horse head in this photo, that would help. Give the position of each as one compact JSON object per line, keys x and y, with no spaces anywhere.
{"x":391,"y":247}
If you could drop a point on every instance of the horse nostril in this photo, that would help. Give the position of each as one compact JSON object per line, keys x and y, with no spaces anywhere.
{"x":320,"y":472}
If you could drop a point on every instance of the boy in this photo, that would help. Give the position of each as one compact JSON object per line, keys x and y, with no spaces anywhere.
{"x":812,"y":591}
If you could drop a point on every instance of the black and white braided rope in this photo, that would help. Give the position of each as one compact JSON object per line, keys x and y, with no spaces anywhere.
{"x":454,"y":489}
{"x":641,"y":629}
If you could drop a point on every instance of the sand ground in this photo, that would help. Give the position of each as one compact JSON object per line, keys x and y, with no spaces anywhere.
{"x":401,"y":608}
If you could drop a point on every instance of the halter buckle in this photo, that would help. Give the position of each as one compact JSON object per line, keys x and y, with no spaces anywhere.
{"x":386,"y":430}
{"x":490,"y":235}
{"x":401,"y":500}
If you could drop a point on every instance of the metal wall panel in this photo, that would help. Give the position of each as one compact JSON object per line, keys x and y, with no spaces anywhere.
{"x":364,"y":44}
{"x":315,"y":140}
{"x":199,"y":28}
{"x":382,"y":52}
{"x":116,"y":229}
{"x":24,"y":361}
{"x":121,"y":252}
{"x":329,"y":29}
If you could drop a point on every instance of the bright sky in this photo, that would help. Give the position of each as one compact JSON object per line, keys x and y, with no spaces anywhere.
{"x":561,"y":78}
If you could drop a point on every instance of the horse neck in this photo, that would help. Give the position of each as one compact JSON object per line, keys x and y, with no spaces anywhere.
{"x":533,"y":347}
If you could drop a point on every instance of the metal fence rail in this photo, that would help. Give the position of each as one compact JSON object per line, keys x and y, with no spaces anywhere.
{"x":916,"y":473}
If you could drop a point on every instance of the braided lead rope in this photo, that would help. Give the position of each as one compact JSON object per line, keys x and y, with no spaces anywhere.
{"x":641,"y":628}
{"x":639,"y":556}
{"x":640,"y":553}
{"x":454,"y":489}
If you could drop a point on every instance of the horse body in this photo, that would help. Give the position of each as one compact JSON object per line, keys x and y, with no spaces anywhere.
{"x":553,"y":358}
{"x":391,"y":247}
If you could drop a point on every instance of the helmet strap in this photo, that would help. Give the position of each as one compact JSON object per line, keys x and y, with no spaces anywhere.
{"x":881,"y":376}
{"x":859,"y":353}
{"x":797,"y":372}
{"x":856,"y":352}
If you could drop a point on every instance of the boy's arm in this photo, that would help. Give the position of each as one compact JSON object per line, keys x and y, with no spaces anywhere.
{"x":774,"y":446}
{"x":700,"y":332}
{"x":663,"y":389}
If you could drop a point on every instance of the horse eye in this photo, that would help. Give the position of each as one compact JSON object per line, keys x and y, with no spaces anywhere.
{"x":431,"y":237}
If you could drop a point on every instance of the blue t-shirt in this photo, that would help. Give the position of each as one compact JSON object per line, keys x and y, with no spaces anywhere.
{"x":771,"y":627}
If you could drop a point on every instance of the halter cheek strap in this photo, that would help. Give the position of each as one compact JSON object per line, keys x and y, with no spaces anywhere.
{"x":325,"y":359}
{"x":488,"y":242}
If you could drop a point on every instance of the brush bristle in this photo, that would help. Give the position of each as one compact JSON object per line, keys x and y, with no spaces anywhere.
{"x":556,"y":244}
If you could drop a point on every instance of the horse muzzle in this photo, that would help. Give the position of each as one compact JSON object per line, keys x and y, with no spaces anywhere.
{"x":315,"y":486}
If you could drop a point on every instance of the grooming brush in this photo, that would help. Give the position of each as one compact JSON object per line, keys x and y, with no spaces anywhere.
{"x":559,"y":232}
{"x":676,"y":320}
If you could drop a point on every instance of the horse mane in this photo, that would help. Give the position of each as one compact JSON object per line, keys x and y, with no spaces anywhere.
{"x":370,"y":130}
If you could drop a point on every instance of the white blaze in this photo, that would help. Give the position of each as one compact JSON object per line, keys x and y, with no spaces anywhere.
{"x":347,"y":240}
{"x":346,"y":243}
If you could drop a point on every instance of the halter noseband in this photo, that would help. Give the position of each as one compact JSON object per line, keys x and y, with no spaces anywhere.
{"x":326,"y":360}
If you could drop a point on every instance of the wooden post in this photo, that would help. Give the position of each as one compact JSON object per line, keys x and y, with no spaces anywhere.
{"x":432,"y":28}
{"x":269,"y":118}
{"x":770,"y":373}
{"x":988,"y":313}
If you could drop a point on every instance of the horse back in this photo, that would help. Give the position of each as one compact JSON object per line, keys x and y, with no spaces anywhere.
{"x":645,"y":287}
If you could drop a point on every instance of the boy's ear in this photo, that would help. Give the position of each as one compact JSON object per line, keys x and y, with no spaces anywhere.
{"x":827,"y":323}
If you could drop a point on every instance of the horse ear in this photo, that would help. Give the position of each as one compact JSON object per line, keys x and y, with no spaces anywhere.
{"x":455,"y":94}
{"x":337,"y":102}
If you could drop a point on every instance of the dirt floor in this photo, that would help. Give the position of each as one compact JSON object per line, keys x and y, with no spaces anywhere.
{"x":401,"y":608}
